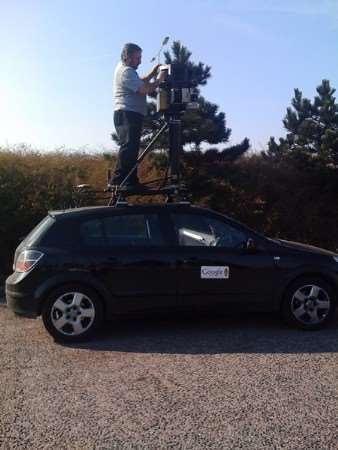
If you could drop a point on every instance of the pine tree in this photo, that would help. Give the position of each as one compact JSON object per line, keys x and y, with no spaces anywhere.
{"x":312,"y":127}
{"x":206,"y":124}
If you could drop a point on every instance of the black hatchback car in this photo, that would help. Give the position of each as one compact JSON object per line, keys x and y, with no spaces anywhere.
{"x":80,"y":266}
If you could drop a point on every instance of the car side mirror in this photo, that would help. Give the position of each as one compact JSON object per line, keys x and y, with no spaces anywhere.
{"x":250,"y":245}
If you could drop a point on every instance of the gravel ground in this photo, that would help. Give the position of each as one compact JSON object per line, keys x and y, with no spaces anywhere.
{"x":221,"y":383}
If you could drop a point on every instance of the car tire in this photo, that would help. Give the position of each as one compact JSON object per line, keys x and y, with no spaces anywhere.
{"x":309,"y":303}
{"x":72,"y":313}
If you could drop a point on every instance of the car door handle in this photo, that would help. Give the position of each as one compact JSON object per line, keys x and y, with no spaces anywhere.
{"x":191,"y":260}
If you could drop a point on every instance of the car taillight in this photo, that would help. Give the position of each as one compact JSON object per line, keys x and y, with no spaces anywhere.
{"x":27,"y":260}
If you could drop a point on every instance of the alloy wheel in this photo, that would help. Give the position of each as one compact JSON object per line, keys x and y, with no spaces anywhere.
{"x":72,"y":313}
{"x":310,"y":304}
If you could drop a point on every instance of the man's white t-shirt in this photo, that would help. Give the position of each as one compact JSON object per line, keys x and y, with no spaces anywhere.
{"x":126,"y":85}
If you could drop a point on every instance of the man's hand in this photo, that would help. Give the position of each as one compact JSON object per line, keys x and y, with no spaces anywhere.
{"x":151,"y":74}
{"x":149,"y":87}
{"x":154,"y":70}
{"x":161,"y":76}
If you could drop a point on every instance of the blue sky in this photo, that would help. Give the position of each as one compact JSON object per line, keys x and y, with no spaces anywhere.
{"x":57,"y":59}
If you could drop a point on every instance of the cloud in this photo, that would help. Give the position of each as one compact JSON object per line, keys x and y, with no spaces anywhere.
{"x":236,"y":15}
{"x":327,"y":8}
{"x":239,"y":25}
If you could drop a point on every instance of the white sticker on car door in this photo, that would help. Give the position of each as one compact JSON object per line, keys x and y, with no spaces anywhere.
{"x":215,"y":272}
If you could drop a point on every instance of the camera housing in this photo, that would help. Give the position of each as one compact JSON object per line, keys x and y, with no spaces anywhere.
{"x":178,"y":91}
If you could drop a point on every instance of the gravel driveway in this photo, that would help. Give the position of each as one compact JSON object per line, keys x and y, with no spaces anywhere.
{"x":240,"y":382}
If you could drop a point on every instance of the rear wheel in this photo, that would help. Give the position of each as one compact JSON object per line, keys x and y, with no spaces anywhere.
{"x":72,"y":313}
{"x":309,"y":303}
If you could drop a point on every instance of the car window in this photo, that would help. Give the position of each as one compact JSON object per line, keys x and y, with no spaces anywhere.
{"x":37,"y":233}
{"x":203,"y":231}
{"x":133,"y":229}
{"x":62,"y":234}
{"x":123,"y":230}
{"x":92,"y":234}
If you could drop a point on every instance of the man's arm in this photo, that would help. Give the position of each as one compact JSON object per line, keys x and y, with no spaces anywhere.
{"x":151,"y":74}
{"x":149,"y":87}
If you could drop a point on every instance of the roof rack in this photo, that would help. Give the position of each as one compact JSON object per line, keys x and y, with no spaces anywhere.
{"x":118,"y":195}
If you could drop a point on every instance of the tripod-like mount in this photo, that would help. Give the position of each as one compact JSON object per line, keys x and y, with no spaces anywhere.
{"x":170,"y":185}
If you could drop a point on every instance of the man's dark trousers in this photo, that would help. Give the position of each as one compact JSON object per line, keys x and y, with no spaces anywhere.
{"x":128,"y":125}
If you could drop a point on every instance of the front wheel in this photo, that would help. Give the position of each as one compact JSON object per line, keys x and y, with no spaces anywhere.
{"x":309,"y":303}
{"x":72,"y":313}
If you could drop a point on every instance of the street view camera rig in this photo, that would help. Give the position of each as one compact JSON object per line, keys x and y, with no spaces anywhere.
{"x":176,"y":94}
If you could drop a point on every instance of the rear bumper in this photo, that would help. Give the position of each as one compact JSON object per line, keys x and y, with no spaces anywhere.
{"x":22,"y":303}
{"x":26,"y":292}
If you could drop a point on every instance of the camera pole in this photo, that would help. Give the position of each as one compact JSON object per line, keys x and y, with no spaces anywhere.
{"x":173,"y":123}
{"x":175,"y":149}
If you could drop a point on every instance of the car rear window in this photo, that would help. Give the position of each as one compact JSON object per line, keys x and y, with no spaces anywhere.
{"x":36,"y":234}
{"x":62,"y":234}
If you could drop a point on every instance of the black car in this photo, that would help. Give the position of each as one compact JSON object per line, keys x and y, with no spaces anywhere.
{"x":80,"y":266}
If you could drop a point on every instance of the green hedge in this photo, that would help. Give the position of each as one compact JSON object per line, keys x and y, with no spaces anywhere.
{"x":288,"y":199}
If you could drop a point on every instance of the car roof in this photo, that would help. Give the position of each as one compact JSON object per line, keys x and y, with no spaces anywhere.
{"x":92,"y":210}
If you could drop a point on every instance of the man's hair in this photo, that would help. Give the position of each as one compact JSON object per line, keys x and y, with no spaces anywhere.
{"x":128,"y":50}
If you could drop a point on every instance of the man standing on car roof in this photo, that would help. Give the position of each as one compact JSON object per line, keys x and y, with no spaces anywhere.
{"x":130,"y":92}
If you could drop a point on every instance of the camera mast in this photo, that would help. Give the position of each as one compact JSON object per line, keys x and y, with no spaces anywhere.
{"x":176,"y":94}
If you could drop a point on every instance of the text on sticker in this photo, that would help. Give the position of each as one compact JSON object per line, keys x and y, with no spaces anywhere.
{"x":215,"y":272}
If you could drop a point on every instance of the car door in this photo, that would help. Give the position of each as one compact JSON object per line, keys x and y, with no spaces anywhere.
{"x":214,"y":264}
{"x":128,"y":255}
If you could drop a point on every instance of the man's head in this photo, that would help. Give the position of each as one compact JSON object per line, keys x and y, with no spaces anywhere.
{"x":131,"y":55}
